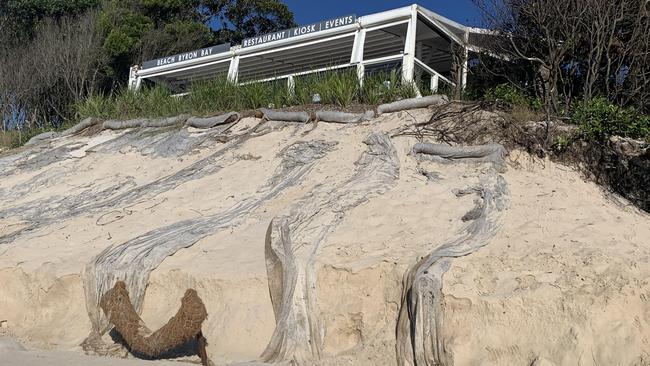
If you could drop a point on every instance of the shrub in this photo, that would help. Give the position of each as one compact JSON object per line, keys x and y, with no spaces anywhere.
{"x":599,"y":118}
{"x":340,"y":88}
{"x":216,"y":94}
{"x":508,"y":94}
{"x":95,"y":106}
{"x":385,"y":87}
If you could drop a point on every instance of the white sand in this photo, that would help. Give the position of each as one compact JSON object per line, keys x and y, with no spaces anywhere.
{"x":565,"y":281}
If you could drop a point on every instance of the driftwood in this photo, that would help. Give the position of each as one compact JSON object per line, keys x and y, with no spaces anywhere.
{"x":293,"y":242}
{"x":343,"y":117}
{"x":273,"y":115}
{"x":420,"y":319}
{"x":180,"y":329}
{"x":413,"y":103}
{"x":209,"y":122}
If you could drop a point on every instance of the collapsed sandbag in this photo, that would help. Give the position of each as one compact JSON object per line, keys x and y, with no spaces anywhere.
{"x":166,"y":122}
{"x":419,"y":324}
{"x":490,"y":153}
{"x":294,"y":240}
{"x":121,"y":125}
{"x":42,"y":137}
{"x":413,"y":103}
{"x":209,"y":122}
{"x":273,"y":115}
{"x":79,"y":127}
{"x":343,"y":117}
{"x":132,"y":261}
{"x":180,"y":329}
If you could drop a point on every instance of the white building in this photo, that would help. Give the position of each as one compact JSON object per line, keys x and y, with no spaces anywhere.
{"x":421,"y":44}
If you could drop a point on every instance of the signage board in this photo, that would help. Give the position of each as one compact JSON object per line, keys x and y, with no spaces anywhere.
{"x":204,"y":52}
{"x":299,"y":31}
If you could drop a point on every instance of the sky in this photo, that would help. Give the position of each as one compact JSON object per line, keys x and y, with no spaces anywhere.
{"x":311,"y":11}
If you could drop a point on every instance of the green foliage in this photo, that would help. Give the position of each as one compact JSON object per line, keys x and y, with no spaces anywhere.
{"x":246,"y":18}
{"x":219,"y":95}
{"x":508,"y":94}
{"x":338,"y":88}
{"x":123,"y":28}
{"x":561,"y":143}
{"x":95,"y":106}
{"x":385,"y":87}
{"x":20,"y":18}
{"x":599,"y":118}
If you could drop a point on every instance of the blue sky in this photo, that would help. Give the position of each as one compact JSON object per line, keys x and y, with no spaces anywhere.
{"x":310,"y":11}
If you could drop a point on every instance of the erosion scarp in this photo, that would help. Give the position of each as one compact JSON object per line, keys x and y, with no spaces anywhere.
{"x":319,"y":244}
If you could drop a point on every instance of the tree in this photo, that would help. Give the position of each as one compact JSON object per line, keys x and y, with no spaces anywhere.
{"x":581,"y":49}
{"x":241,"y":19}
{"x":41,"y":80}
{"x":140,"y":30}
{"x":19,"y":18}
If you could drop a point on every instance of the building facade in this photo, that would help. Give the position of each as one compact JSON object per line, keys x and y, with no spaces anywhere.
{"x":413,"y":40}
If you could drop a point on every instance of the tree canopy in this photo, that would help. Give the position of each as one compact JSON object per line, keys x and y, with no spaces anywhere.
{"x":99,"y":40}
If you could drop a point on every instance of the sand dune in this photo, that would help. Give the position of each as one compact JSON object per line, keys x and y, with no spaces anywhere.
{"x":563,"y":280}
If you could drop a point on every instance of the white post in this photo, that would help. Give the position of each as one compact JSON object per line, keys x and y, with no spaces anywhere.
{"x":233,"y":71}
{"x":291,"y":84}
{"x":357,"y":53}
{"x":465,"y":69}
{"x":361,"y":72}
{"x":134,"y":80}
{"x":408,"y":61}
{"x":435,"y":82}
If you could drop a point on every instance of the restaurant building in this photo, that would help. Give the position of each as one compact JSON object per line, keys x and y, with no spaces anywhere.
{"x":414,"y":41}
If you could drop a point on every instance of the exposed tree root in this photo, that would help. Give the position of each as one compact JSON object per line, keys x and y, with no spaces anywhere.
{"x":180,"y":329}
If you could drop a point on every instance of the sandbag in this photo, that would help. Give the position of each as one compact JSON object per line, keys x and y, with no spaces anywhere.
{"x":79,"y":127}
{"x":42,"y":137}
{"x":121,"y":125}
{"x":273,"y":115}
{"x":490,"y":153}
{"x":166,"y":122}
{"x":343,"y":117}
{"x":413,"y":103}
{"x":209,"y":122}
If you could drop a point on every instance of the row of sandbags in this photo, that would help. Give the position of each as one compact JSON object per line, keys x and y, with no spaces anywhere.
{"x":234,"y":117}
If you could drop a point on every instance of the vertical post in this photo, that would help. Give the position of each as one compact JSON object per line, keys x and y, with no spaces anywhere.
{"x":233,"y":70}
{"x":134,"y":80}
{"x":291,"y":84}
{"x":361,"y":72}
{"x":357,"y":53}
{"x":465,"y":68}
{"x":435,"y":82}
{"x":408,"y":61}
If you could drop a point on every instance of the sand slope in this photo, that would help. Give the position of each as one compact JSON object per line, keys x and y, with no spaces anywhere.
{"x":565,"y":281}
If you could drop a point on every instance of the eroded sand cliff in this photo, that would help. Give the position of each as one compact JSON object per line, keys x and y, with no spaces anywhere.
{"x":563,"y":280}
